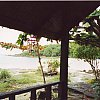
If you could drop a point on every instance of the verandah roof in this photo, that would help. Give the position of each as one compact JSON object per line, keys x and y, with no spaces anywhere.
{"x":46,"y":19}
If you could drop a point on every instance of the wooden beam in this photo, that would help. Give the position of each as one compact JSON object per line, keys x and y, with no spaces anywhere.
{"x":64,"y":67}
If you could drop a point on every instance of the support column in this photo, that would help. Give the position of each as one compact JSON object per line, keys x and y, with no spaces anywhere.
{"x":64,"y":67}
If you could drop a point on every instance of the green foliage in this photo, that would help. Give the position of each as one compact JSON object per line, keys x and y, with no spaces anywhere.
{"x":53,"y":65}
{"x":90,"y":81}
{"x":22,"y":38}
{"x":48,"y":51}
{"x":87,"y":52}
{"x":8,"y":45}
{"x":53,"y":79}
{"x":83,"y":51}
{"x":73,"y":49}
{"x":96,"y":87}
{"x":26,"y":54}
{"x":88,"y":32}
{"x":25,"y":80}
{"x":33,"y":53}
{"x":51,"y":50}
{"x":95,"y":13}
{"x":90,"y":54}
{"x":87,"y":39}
{"x":4,"y":74}
{"x":4,"y":87}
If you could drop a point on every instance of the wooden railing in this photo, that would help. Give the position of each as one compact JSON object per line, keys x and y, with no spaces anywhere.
{"x":33,"y":94}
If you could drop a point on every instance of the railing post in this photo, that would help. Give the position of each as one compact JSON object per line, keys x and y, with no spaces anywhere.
{"x":48,"y":92}
{"x":45,"y":94}
{"x":58,"y":91}
{"x":12,"y":97}
{"x":33,"y":95}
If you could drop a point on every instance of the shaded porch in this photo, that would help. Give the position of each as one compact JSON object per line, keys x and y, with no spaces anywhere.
{"x":52,"y":20}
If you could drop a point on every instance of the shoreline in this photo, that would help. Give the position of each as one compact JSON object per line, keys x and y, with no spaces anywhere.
{"x":25,"y":63}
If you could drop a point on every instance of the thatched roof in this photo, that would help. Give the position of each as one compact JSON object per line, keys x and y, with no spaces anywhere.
{"x":48,"y":19}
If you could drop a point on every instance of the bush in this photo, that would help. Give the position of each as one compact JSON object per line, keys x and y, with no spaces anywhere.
{"x":51,"y":50}
{"x":48,"y":51}
{"x":73,"y":49}
{"x":96,"y":87}
{"x":53,"y":65}
{"x":91,"y":81}
{"x":4,"y":74}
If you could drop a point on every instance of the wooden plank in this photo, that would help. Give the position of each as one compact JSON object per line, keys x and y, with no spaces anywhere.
{"x":24,"y":90}
{"x":48,"y":93}
{"x":12,"y":97}
{"x":59,"y":91}
{"x":33,"y":95}
{"x":81,"y":91}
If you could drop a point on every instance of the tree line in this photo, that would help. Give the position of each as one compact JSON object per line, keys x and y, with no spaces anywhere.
{"x":75,"y":50}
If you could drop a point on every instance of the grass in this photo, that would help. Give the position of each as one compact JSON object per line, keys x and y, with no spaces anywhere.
{"x":4,"y":74}
{"x":52,"y":78}
{"x":4,"y":87}
{"x":24,"y":79}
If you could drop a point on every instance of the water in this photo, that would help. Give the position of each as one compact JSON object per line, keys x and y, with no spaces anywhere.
{"x":11,"y":62}
{"x":17,"y":63}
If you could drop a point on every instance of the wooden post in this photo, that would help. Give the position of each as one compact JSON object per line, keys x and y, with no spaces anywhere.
{"x":48,"y":93}
{"x":33,"y":95}
{"x":12,"y":97}
{"x":64,"y":67}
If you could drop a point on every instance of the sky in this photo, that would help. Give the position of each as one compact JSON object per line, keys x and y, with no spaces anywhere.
{"x":10,"y":36}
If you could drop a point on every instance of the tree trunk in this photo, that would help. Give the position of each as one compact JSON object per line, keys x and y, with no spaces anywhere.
{"x":38,"y":53}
